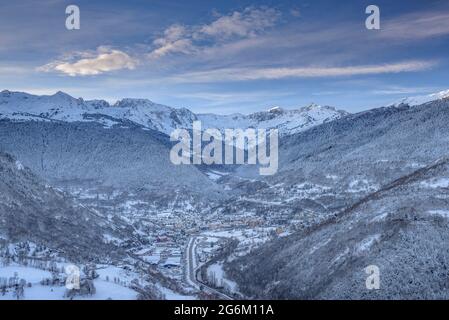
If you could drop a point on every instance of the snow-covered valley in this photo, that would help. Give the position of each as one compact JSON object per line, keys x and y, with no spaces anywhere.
{"x":89,"y":184}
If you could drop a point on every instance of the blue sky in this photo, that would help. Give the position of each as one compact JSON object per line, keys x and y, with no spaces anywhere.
{"x":227,"y":56}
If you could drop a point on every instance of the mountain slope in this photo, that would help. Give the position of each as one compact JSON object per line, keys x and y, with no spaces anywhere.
{"x":402,"y":229}
{"x":377,"y":145}
{"x":377,"y":186}
{"x":328,"y":167}
{"x":122,"y":157}
{"x":32,"y":211}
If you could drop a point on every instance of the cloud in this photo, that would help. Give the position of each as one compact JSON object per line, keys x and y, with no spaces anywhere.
{"x":247,"y":23}
{"x":219,"y":98}
{"x":237,"y":25}
{"x":229,"y":40}
{"x":295,"y":12}
{"x":245,"y":74}
{"x":415,"y":26}
{"x":88,"y":63}
{"x":14,"y":70}
{"x":175,"y":40}
{"x":399,"y":90}
{"x":179,"y":46}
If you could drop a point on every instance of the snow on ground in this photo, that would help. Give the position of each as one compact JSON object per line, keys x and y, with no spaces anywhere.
{"x":108,"y":290}
{"x":225,"y":233}
{"x":215,"y":175}
{"x":153,"y":259}
{"x":340,"y":256}
{"x":443,"y":213}
{"x":417,"y":100}
{"x":319,"y":245}
{"x":274,"y":203}
{"x":436,"y":183}
{"x":111,"y":272}
{"x":362,"y":185}
{"x":31,"y":275}
{"x":61,"y":106}
{"x":171,"y":295}
{"x":104,"y":289}
{"x":240,"y":234}
{"x":248,"y":238}
{"x":367,"y":243}
{"x":172,"y":261}
{"x":109,"y":238}
{"x":216,"y":271}
{"x":380,"y":217}
{"x":19,"y":165}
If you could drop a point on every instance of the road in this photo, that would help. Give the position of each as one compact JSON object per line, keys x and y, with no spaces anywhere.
{"x":192,"y":272}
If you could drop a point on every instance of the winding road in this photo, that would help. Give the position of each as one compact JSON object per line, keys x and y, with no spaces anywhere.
{"x":192,"y":271}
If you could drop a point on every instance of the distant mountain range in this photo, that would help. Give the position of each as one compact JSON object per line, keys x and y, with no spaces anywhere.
{"x":150,"y":115}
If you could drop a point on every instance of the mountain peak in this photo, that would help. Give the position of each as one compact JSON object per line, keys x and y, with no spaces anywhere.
{"x":276,"y":109}
{"x":62,"y":95}
{"x":8,"y":93}
{"x":131,"y":102}
{"x":417,"y":100}
{"x":313,"y":105}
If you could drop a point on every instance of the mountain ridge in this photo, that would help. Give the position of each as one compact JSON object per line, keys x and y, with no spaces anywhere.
{"x":418,"y":100}
{"x":61,"y":106}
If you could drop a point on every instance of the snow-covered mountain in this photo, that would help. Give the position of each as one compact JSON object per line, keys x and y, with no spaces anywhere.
{"x":368,"y":189}
{"x":63,"y":107}
{"x":286,"y":121}
{"x":418,"y":100}
{"x":86,"y":152}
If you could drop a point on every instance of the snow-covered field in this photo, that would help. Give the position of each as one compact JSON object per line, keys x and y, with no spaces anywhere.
{"x":31,"y":275}
{"x":104,"y":289}
{"x":171,"y":295}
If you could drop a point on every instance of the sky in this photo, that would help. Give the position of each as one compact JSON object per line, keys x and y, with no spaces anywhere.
{"x":227,"y":56}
